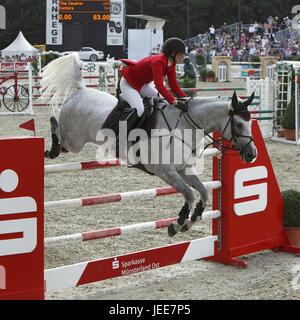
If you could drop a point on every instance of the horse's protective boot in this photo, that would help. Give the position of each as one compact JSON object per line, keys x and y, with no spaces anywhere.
{"x":56,"y":147}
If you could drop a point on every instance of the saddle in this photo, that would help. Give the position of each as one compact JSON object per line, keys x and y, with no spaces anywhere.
{"x":123,"y":112}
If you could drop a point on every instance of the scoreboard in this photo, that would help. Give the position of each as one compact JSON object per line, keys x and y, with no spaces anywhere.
{"x":84,"y":11}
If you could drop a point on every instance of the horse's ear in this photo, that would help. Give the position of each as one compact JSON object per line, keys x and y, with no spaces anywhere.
{"x":247,"y":102}
{"x":234,"y":101}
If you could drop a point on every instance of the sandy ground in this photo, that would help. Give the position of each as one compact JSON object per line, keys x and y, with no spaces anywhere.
{"x":268,"y":276}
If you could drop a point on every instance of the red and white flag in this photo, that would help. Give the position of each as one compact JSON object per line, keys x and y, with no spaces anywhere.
{"x":29,"y":125}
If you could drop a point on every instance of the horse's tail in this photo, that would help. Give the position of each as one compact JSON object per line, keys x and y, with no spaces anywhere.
{"x":62,"y":77}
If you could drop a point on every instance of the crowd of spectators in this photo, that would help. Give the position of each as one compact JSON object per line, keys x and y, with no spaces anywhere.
{"x":17,"y":58}
{"x":257,"y":39}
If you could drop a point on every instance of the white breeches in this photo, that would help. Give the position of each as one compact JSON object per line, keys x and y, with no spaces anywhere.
{"x":134,"y":98}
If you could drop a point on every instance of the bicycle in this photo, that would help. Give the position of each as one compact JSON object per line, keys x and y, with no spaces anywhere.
{"x":15,"y":97}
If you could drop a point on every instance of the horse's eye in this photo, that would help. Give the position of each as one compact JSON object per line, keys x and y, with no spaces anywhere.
{"x":239,"y":125}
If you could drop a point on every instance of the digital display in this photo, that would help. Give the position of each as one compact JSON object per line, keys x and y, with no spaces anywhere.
{"x":84,"y":11}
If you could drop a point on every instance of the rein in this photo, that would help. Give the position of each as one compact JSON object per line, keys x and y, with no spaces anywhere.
{"x":219,"y":145}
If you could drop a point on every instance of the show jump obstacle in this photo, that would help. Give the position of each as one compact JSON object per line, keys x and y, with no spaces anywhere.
{"x":247,"y":217}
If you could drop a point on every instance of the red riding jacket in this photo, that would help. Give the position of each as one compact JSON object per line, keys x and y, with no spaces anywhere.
{"x":152,"y":68}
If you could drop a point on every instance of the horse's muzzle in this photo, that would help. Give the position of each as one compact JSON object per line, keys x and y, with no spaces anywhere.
{"x":249,"y":153}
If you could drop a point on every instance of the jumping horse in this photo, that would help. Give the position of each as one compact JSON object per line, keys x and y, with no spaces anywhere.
{"x":85,"y":110}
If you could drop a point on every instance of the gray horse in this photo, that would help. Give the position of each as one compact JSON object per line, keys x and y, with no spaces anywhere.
{"x":84,"y":111}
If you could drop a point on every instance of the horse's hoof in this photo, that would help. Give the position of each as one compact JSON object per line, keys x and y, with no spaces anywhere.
{"x":186,"y":227}
{"x":171,"y":230}
{"x":51,"y":154}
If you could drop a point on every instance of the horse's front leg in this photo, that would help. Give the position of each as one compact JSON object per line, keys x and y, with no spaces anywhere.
{"x":56,"y":147}
{"x":190,"y":176}
{"x":169,"y":175}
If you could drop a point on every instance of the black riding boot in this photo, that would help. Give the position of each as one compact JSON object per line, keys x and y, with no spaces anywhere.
{"x":132,"y":121}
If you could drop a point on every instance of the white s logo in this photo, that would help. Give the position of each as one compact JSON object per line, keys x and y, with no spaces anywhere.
{"x":241,"y":191}
{"x":26,"y":243}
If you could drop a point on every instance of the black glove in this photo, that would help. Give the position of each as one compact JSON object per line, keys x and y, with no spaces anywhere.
{"x":182,"y":106}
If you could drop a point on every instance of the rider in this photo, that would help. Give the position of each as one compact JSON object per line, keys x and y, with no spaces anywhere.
{"x":137,"y":76}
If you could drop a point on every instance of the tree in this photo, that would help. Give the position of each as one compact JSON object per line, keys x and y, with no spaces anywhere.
{"x":28,"y":16}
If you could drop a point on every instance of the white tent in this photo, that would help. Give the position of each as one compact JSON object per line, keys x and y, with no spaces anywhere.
{"x":18,"y":46}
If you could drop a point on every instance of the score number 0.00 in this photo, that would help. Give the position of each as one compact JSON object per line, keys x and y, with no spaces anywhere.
{"x":65,"y":17}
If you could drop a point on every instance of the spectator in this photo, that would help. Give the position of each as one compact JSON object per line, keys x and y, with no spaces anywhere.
{"x":157,"y":49}
{"x":224,"y":28}
{"x":255,"y":26}
{"x":251,"y":31}
{"x":8,"y":59}
{"x":252,"y":51}
{"x":288,"y":22}
{"x":266,"y":28}
{"x":270,"y":20}
{"x":260,"y":30}
{"x":276,"y":24}
{"x":258,"y":39}
{"x":22,"y":58}
{"x":212,"y":32}
{"x":264,"y":41}
{"x":193,"y":54}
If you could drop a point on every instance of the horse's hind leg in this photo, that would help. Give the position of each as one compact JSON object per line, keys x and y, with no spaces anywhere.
{"x":168,"y":174}
{"x":56,"y":147}
{"x":193,"y":180}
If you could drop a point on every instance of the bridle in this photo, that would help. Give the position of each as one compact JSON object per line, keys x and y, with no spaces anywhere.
{"x":217,"y":143}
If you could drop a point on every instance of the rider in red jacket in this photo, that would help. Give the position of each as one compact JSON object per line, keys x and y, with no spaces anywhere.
{"x":135,"y":83}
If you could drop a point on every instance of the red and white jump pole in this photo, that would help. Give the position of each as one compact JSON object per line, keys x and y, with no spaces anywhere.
{"x":249,"y":200}
{"x":107,"y":163}
{"x":119,"y":231}
{"x":120,"y":197}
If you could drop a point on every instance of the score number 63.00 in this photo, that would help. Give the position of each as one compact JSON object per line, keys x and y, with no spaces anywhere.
{"x":99,"y":17}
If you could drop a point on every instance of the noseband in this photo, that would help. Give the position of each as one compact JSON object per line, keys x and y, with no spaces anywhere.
{"x":234,"y":134}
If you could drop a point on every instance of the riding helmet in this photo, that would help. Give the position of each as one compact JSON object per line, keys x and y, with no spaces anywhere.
{"x":175,"y":45}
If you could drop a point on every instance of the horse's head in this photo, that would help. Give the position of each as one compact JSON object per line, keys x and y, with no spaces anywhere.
{"x":240,"y":128}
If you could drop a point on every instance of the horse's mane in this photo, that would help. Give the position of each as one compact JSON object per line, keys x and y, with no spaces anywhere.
{"x":61,"y":79}
{"x":213,"y":100}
